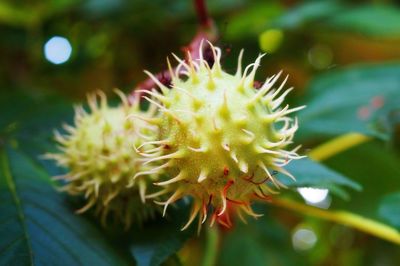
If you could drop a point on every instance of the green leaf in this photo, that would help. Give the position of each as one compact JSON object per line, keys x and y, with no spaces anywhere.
{"x":157,"y":241}
{"x":372,"y":20}
{"x":37,"y":224}
{"x":307,"y":12}
{"x":389,"y":209}
{"x":361,"y":99}
{"x":252,"y":21}
{"x":375,"y":167}
{"x":309,"y":173}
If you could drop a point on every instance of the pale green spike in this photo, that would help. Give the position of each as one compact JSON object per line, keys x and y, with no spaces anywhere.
{"x":244,"y":167}
{"x":196,"y":102}
{"x":171,"y":72}
{"x":162,"y":87}
{"x":280,"y":88}
{"x":217,"y":56}
{"x":203,"y":175}
{"x":150,"y":120}
{"x":156,"y":95}
{"x":182,"y":175}
{"x":272,"y":117}
{"x":242,"y":120}
{"x":164,"y":110}
{"x":276,"y":103}
{"x":214,"y":123}
{"x":210,"y":82}
{"x":250,"y":136}
{"x":224,"y":110}
{"x":193,"y":75}
{"x":295,"y":109}
{"x":264,"y":89}
{"x":250,"y":77}
{"x":103,"y":99}
{"x":201,"y":58}
{"x":239,"y":65}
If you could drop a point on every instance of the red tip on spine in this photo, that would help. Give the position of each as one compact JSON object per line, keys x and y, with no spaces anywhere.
{"x":226,"y":170}
{"x":238,"y":202}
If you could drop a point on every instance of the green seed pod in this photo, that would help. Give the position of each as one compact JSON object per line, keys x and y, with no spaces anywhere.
{"x":222,"y":139}
{"x":99,"y":155}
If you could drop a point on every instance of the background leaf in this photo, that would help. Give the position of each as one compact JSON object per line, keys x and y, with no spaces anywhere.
{"x":375,"y":20}
{"x":160,"y":240}
{"x":309,"y":173}
{"x":262,"y":241}
{"x":307,"y":12}
{"x":39,"y":226}
{"x":389,"y":209}
{"x":377,"y":169}
{"x":363,"y":99}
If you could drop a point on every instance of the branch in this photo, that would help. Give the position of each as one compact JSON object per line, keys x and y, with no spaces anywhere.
{"x":343,"y":217}
{"x":205,"y":31}
{"x":202,"y":13}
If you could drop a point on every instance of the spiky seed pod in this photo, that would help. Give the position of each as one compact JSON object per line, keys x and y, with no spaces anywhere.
{"x":98,"y":151}
{"x":223,"y":139}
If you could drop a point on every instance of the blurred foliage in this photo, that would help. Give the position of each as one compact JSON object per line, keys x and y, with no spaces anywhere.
{"x":353,"y":99}
{"x":343,"y":58}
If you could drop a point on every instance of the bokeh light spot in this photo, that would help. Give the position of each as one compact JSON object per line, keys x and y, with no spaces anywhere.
{"x":377,"y":102}
{"x":363,"y":113}
{"x":313,"y":195}
{"x":271,"y":40}
{"x":303,"y":239}
{"x":320,"y":56}
{"x":57,"y":50}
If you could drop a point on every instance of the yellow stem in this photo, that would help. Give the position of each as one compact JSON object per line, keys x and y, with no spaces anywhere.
{"x":343,"y":217}
{"x":337,"y":145}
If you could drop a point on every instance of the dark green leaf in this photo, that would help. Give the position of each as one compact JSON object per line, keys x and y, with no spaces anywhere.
{"x":308,"y":12}
{"x":157,"y":241}
{"x":252,"y":21}
{"x":376,"y":168}
{"x":361,"y":99}
{"x":373,"y":20}
{"x":38,"y":226}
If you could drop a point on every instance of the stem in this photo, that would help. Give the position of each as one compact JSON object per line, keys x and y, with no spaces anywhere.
{"x":337,"y":145}
{"x":202,"y":14}
{"x":211,"y":248}
{"x":343,"y":217}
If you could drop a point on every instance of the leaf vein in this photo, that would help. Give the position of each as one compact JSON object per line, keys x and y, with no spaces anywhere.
{"x":13,"y":190}
{"x":11,"y":244}
{"x":68,"y":250}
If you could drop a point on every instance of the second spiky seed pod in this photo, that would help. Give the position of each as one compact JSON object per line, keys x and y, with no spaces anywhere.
{"x":101,"y":163}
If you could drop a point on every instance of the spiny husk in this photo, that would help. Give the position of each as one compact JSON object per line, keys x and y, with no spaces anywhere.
{"x":221,"y":139}
{"x":98,"y":152}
